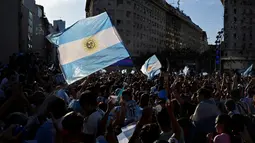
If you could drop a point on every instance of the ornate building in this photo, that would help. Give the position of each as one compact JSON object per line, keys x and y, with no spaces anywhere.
{"x":239,"y":34}
{"x":150,"y":26}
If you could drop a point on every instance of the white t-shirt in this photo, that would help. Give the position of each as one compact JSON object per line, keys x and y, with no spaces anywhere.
{"x":91,"y":123}
{"x":204,"y":110}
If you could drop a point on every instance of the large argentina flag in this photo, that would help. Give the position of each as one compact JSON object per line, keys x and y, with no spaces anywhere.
{"x":87,"y":46}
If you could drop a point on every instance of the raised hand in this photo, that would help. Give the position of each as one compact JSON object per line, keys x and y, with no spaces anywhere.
{"x":59,"y":137}
{"x":110,"y":105}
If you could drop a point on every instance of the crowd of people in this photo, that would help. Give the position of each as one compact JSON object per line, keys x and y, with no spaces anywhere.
{"x":38,"y":107}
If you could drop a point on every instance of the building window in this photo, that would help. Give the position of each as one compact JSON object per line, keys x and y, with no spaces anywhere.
{"x":244,"y":45}
{"x":30,"y":15}
{"x":40,"y":13}
{"x":235,"y":19}
{"x":30,"y":29}
{"x":30,"y":23}
{"x":250,"y":45}
{"x":119,"y":2}
{"x":234,"y":11}
{"x":29,"y":46}
{"x":128,"y":13}
{"x":119,"y":22}
{"x":235,"y":35}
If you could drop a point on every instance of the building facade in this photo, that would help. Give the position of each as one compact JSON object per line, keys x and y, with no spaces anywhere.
{"x":9,"y":29}
{"x":239,"y":34}
{"x":59,"y":25}
{"x":24,"y":29}
{"x":150,"y":26}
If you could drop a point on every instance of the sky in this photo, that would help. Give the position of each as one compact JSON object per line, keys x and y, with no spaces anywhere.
{"x":208,"y":14}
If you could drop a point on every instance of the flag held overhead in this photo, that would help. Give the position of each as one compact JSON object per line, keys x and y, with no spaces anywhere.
{"x":151,"y":67}
{"x":248,"y":71}
{"x":87,"y":46}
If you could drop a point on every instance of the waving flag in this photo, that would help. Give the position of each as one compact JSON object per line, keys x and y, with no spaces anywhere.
{"x":248,"y":71}
{"x":186,"y":70}
{"x":151,"y":67}
{"x":126,"y":133}
{"x":87,"y":46}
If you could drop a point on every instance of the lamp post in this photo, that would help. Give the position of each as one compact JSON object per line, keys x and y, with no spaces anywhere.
{"x":219,"y":39}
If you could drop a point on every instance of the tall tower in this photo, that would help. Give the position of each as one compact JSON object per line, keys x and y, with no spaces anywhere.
{"x":239,"y":34}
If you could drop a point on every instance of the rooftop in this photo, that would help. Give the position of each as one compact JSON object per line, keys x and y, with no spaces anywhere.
{"x":172,"y":9}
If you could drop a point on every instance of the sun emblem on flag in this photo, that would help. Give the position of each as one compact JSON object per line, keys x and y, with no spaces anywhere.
{"x":90,"y":45}
{"x":149,"y":68}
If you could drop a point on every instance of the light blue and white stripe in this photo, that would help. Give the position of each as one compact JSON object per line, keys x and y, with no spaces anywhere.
{"x":126,"y":133}
{"x":76,"y":58}
{"x":151,"y":67}
{"x":248,"y":70}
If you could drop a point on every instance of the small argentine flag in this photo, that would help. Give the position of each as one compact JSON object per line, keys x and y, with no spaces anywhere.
{"x":247,"y":71}
{"x":126,"y":133}
{"x":151,"y":67}
{"x":87,"y":46}
{"x":186,"y":70}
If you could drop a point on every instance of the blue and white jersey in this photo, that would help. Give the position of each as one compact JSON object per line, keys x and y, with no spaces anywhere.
{"x":101,"y":139}
{"x":62,"y":94}
{"x":75,"y":105}
{"x":133,"y":112}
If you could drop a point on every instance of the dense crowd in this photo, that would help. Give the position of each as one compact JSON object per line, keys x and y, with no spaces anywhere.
{"x":37,"y":106}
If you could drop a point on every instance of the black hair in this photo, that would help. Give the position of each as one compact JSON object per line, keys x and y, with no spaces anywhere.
{"x":73,"y":122}
{"x":144,"y":100}
{"x":177,"y":107}
{"x":226,"y":121}
{"x":16,"y":118}
{"x":235,"y":94}
{"x":88,"y":98}
{"x":57,"y":107}
{"x":150,"y":133}
{"x":230,"y":104}
{"x":103,"y":106}
{"x":38,"y":98}
{"x":205,"y":92}
{"x":238,"y":122}
{"x":232,"y":126}
{"x":163,"y":118}
{"x":126,"y":95}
